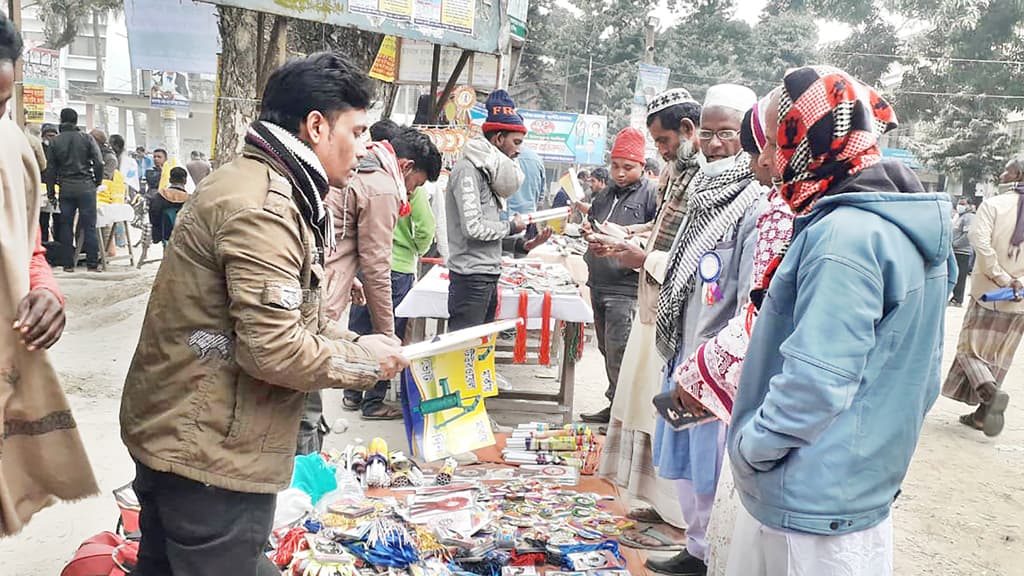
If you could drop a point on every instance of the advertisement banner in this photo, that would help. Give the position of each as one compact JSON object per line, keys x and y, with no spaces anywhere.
{"x":166,"y":35}
{"x":443,"y":401}
{"x":384,"y":65}
{"x":169,"y":90}
{"x":42,"y":67}
{"x":400,"y":10}
{"x":454,"y":15}
{"x":650,"y":81}
{"x":34,"y":98}
{"x":563,"y":137}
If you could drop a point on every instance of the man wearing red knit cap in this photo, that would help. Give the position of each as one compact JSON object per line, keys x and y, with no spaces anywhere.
{"x":631,"y":199}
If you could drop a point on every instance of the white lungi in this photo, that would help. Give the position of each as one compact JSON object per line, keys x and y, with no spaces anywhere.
{"x":758,"y":550}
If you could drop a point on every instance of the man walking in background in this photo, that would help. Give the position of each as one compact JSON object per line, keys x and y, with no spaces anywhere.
{"x":962,"y":249}
{"x":198,"y":167}
{"x":992,"y":331}
{"x":78,"y":170}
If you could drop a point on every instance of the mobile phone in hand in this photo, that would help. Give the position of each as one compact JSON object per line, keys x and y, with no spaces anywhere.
{"x":678,"y":420}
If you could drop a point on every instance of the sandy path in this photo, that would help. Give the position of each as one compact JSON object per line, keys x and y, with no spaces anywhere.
{"x":961,"y":511}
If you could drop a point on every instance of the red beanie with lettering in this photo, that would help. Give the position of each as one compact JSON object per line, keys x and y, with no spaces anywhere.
{"x":629,"y":145}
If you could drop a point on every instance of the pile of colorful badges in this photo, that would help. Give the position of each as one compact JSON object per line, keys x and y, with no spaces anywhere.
{"x":465,"y":527}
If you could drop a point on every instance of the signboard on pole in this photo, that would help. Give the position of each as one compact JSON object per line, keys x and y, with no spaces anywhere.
{"x":468,"y":24}
{"x":169,"y":90}
{"x":517,"y":11}
{"x":34,"y":99}
{"x":563,"y":137}
{"x":650,"y":81}
{"x":42,"y":67}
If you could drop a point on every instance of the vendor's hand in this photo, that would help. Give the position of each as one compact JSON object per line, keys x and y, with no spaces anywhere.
{"x":517,"y":224}
{"x":686,"y":403}
{"x":630,"y":255}
{"x":40,"y":319}
{"x":1018,"y":289}
{"x":583,"y":207}
{"x":600,"y":249}
{"x":538,"y":240}
{"x":357,"y":295}
{"x":388,"y":351}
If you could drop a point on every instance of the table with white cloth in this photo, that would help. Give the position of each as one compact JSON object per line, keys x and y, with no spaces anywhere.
{"x":429,"y":299}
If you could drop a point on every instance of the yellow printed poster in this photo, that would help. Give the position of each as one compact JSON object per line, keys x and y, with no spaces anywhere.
{"x":443,"y":401}
{"x":34,"y":99}
{"x":385,"y":64}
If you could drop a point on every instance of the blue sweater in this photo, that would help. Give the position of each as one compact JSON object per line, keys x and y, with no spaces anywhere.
{"x":844,"y":361}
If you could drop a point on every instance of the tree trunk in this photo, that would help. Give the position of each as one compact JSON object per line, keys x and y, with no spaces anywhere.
{"x":236,"y":107}
{"x":244,"y":73}
{"x":101,"y":109}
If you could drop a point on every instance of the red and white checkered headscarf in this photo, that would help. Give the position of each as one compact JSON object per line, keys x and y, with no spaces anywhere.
{"x":829,"y":124}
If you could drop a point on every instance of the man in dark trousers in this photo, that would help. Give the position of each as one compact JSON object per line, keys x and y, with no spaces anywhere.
{"x":236,"y":331}
{"x":630,"y":200}
{"x":77,"y":167}
{"x":479,"y":185}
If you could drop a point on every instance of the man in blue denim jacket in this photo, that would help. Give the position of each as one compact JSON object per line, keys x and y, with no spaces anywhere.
{"x":844,"y":361}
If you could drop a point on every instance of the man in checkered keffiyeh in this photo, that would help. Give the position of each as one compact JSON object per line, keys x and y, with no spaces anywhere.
{"x":844,"y":362}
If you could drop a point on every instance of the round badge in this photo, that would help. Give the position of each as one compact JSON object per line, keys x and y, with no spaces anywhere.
{"x":710,"y":267}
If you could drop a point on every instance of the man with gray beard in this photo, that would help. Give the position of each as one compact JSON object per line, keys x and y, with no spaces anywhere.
{"x":672,"y":120}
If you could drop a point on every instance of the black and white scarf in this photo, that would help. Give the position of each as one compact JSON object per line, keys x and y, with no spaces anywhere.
{"x":713,"y":206}
{"x":295,"y":160}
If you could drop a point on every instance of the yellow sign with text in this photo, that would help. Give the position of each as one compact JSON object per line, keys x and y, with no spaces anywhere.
{"x":386,"y":63}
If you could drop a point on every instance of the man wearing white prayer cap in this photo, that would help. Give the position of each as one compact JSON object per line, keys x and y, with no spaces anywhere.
{"x":707,"y":284}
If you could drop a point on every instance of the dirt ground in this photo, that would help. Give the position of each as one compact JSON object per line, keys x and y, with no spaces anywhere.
{"x":961,"y":511}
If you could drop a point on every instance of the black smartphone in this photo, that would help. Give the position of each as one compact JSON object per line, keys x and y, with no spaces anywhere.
{"x":678,"y":420}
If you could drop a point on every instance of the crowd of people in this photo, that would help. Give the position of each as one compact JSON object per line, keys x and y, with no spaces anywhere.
{"x":771,"y":275}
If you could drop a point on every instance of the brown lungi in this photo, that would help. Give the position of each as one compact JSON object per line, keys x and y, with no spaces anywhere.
{"x":988,"y":341}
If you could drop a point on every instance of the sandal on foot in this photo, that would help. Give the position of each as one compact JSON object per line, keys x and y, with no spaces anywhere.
{"x":994,"y":418}
{"x":384,"y":413}
{"x":349,"y":405}
{"x":649,"y":539}
{"x":969,"y":421}
{"x":645,"y":515}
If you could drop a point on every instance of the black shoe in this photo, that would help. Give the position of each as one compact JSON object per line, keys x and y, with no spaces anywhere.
{"x":69,"y":269}
{"x":955,"y":303}
{"x":599,"y":417}
{"x":681,"y":564}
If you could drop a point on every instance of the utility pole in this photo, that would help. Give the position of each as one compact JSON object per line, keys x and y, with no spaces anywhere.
{"x":590,"y":73}
{"x":649,"y":30}
{"x":14,"y":12}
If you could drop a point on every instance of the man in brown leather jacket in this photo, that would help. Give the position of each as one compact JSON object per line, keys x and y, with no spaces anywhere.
{"x":236,"y":334}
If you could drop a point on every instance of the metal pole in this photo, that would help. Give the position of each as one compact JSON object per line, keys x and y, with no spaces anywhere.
{"x":434,"y":73}
{"x":590,"y":73}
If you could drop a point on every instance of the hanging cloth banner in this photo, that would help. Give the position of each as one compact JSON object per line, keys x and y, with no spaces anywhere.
{"x":385,"y":64}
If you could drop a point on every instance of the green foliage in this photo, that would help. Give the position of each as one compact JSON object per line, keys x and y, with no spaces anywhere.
{"x":62,"y":18}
